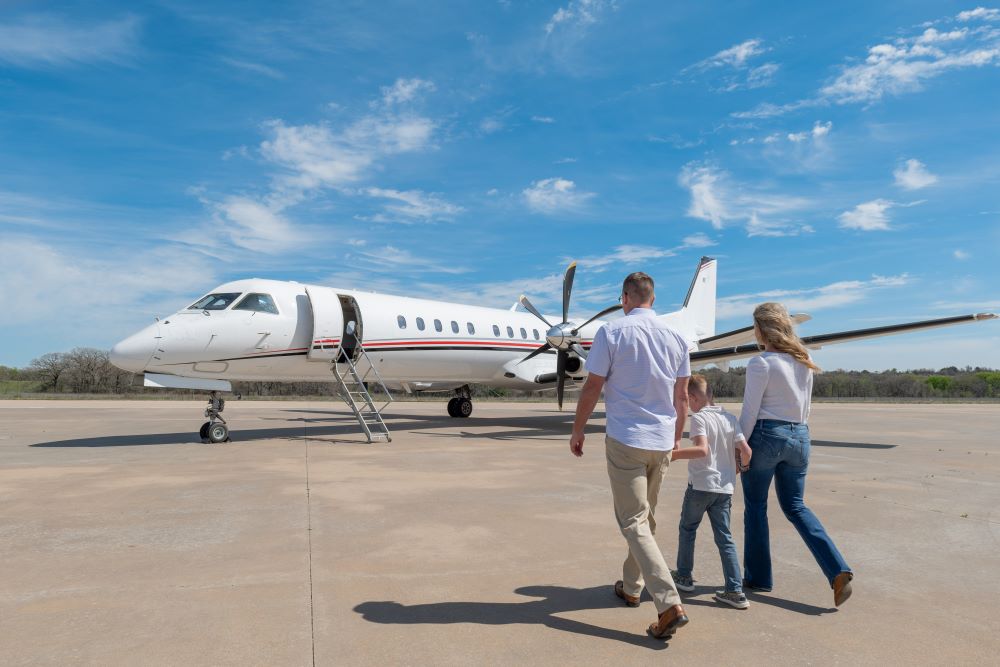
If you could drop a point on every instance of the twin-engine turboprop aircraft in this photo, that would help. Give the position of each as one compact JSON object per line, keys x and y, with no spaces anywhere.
{"x":285,"y":331}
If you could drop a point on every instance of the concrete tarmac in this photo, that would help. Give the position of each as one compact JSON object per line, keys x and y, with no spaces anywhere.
{"x":124,"y":540}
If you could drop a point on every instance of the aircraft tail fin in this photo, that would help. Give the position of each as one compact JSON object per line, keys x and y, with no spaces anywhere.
{"x":699,"y":305}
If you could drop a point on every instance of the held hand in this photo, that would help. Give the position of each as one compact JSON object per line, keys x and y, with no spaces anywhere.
{"x":576,"y":443}
{"x":743,"y":455}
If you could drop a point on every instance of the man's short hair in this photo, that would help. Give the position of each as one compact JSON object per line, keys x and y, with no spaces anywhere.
{"x":699,"y":383}
{"x":638,"y":286}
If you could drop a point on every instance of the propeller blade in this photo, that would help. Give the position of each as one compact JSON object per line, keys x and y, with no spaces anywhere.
{"x":561,"y":375}
{"x":576,"y":347}
{"x":531,"y":309}
{"x":606,"y":311}
{"x":537,"y":351}
{"x":568,"y":288}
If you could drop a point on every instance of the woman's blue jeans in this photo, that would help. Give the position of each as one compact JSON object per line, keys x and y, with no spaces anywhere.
{"x":781,"y":451}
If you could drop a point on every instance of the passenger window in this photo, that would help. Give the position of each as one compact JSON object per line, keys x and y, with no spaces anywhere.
{"x":510,"y":332}
{"x":215,"y":301}
{"x":534,"y":332}
{"x":472,"y":329}
{"x":259,"y":303}
{"x":496,"y":331}
{"x":401,"y":321}
{"x":420,"y":323}
{"x":524,"y":334}
{"x":454,"y":326}
{"x":437,"y":326}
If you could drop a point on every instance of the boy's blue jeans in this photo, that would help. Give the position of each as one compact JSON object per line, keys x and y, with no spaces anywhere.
{"x":781,"y":451}
{"x":696,"y":504}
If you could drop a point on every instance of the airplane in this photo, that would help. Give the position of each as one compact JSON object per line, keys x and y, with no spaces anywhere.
{"x":272,"y":330}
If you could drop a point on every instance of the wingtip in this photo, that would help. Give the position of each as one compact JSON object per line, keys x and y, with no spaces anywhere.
{"x":572,"y":265}
{"x":986,"y":316}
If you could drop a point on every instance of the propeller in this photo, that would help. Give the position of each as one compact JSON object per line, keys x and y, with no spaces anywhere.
{"x":564,"y":336}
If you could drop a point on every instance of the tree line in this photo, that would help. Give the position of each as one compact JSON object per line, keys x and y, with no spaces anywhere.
{"x":88,"y":371}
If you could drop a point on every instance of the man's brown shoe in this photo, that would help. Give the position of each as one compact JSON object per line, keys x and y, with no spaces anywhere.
{"x":630,"y":600}
{"x":668,"y":623}
{"x":842,"y":588}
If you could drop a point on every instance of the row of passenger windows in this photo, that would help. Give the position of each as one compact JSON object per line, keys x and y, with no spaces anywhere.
{"x":469,"y":326}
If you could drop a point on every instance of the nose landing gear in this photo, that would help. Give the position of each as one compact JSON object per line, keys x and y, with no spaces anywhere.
{"x":461,"y":405}
{"x":215,"y":429}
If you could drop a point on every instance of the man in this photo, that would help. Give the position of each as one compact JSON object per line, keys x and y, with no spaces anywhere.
{"x":643,"y":367}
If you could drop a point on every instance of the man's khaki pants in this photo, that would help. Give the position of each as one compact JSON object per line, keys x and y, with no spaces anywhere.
{"x":636,"y":475}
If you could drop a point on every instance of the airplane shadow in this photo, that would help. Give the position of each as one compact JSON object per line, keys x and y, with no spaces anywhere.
{"x":554,"y":600}
{"x":341,"y":428}
{"x":336,"y":427}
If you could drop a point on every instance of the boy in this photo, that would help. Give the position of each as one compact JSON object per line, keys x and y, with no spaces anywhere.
{"x":711,"y":477}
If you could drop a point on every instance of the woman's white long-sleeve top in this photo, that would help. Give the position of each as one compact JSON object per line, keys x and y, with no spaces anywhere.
{"x":777,"y":387}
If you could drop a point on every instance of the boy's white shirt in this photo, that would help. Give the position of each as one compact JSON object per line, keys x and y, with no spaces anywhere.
{"x":717,"y":471}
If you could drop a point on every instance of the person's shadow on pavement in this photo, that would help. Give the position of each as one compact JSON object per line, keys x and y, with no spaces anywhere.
{"x":554,"y":600}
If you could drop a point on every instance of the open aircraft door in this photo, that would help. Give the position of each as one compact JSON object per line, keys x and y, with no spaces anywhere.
{"x":328,"y":324}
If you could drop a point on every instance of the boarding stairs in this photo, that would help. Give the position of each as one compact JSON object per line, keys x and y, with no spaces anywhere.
{"x":354,"y":389}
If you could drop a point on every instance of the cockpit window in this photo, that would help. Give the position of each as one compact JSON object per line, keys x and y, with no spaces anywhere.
{"x":215,"y":301}
{"x":261,"y":303}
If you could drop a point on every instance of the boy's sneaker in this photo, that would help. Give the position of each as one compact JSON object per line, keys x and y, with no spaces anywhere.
{"x":683,"y":583}
{"x":732,"y":598}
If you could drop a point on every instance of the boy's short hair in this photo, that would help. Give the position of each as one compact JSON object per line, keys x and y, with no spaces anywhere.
{"x":699,"y":383}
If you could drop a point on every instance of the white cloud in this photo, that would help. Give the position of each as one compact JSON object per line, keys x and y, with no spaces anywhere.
{"x":543,"y":119}
{"x":255,"y":68}
{"x":44,"y":285}
{"x":555,"y":195}
{"x":810,"y":299}
{"x":869,"y":216}
{"x":979,"y":13}
{"x":904,"y":65}
{"x":961,"y":255}
{"x":818,"y":131}
{"x":46,"y":40}
{"x":254,"y":225}
{"x":405,"y":90}
{"x":735,"y":56}
{"x":736,"y":59}
{"x":913,"y":175}
{"x":698,"y":240}
{"x":394,"y":260}
{"x":565,"y":160}
{"x":578,"y":14}
{"x":625,"y":254}
{"x":413,"y":205}
{"x":717,"y":199}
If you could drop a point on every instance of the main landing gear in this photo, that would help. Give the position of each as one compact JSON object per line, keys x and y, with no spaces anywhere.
{"x":215,"y":429}
{"x":461,"y":405}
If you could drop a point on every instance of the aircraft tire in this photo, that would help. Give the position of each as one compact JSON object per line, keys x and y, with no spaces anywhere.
{"x":463,"y":407}
{"x":203,"y":431}
{"x":453,"y":407}
{"x":218,"y":432}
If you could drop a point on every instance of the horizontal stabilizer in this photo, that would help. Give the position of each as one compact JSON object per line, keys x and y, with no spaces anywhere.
{"x":162,"y":381}
{"x":719,"y":354}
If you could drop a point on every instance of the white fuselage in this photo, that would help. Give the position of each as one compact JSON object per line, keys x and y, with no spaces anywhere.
{"x":414,"y":344}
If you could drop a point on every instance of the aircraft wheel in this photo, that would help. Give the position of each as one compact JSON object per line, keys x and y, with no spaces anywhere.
{"x":218,"y":432}
{"x":463,"y":407}
{"x":203,"y":431}
{"x":453,"y":407}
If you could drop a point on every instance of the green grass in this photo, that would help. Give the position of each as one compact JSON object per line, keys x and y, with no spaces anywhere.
{"x":17,"y":387}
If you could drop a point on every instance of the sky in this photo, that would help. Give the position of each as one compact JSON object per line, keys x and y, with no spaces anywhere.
{"x":842,"y":158}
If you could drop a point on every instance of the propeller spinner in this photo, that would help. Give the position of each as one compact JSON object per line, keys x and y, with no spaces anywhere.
{"x":564,"y":336}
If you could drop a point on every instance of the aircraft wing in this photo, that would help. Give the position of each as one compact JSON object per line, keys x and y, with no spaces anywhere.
{"x":740,"y":336}
{"x":731,"y":353}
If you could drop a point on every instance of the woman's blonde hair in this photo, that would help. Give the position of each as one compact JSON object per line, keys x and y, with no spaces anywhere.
{"x":776,"y":328}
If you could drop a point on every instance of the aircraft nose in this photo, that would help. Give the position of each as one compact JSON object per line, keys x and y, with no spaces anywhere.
{"x":133,"y":353}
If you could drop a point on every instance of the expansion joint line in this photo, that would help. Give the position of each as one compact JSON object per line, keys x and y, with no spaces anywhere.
{"x":312,"y":617}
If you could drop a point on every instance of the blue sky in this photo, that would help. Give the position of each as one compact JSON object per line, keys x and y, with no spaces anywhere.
{"x":839,"y":157}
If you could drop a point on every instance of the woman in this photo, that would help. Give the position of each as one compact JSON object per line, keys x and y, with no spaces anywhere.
{"x":775,"y":410}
